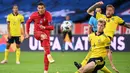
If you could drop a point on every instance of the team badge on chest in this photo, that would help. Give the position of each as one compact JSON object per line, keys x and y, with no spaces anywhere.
{"x":41,"y":21}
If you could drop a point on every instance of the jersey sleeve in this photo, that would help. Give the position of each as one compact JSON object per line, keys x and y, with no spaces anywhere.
{"x":49,"y":18}
{"x":98,"y":15}
{"x":30,"y":19}
{"x":107,"y":42}
{"x":8,"y":18}
{"x":120,"y":21}
{"x":22,"y":18}
{"x":90,"y":36}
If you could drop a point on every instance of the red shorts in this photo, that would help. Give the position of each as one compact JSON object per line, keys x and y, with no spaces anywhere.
{"x":37,"y":34}
{"x":45,"y":42}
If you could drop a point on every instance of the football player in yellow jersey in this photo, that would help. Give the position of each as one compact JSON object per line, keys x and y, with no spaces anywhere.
{"x":111,"y":24}
{"x":92,"y":22}
{"x":14,"y":21}
{"x":99,"y":50}
{"x":112,"y":21}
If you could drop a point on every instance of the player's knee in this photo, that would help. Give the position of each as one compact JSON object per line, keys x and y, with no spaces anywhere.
{"x":8,"y":45}
{"x":17,"y":45}
{"x":80,"y":71}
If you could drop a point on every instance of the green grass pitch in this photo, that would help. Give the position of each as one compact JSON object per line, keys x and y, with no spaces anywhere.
{"x":32,"y":62}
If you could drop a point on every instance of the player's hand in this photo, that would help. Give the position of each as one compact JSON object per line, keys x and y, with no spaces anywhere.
{"x":100,"y":3}
{"x":26,"y":36}
{"x":42,"y":27}
{"x":9,"y":36}
{"x":114,"y":68}
{"x":89,"y":29}
{"x":43,"y":36}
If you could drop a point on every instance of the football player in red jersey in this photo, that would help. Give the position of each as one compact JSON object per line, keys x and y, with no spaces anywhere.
{"x":42,"y":27}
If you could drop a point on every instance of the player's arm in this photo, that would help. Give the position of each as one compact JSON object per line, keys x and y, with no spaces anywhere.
{"x":93,"y":7}
{"x":123,"y":23}
{"x":126,"y":25}
{"x":22,"y":22}
{"x":23,"y":28}
{"x":110,"y":60}
{"x":8,"y":26}
{"x":89,"y":29}
{"x":50,"y":26}
{"x":28,"y":25}
{"x":109,"y":52}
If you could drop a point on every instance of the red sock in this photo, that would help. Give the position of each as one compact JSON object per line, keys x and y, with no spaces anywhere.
{"x":46,"y":62}
{"x":47,"y":50}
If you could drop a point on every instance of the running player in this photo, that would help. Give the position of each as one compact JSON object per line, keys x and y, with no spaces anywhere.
{"x":42,"y":26}
{"x":14,"y":21}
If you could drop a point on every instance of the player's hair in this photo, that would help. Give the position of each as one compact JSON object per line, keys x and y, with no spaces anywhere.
{"x":102,"y":21}
{"x":111,"y":6}
{"x":99,"y":7}
{"x":14,"y":6}
{"x":41,"y":3}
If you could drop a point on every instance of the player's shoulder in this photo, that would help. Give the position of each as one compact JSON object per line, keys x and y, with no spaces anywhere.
{"x":98,"y":13}
{"x":10,"y":14}
{"x":34,"y":13}
{"x":91,"y":34}
{"x":20,"y":15}
{"x":47,"y":12}
{"x":104,"y":36}
{"x":117,"y":17}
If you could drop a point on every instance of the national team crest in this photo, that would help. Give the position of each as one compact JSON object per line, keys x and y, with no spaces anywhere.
{"x":41,"y":22}
{"x":99,"y":41}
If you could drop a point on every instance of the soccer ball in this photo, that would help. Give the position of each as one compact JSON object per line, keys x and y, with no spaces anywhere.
{"x":65,"y":26}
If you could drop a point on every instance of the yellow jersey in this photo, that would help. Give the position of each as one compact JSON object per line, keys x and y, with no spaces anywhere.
{"x":111,"y":23}
{"x":98,"y":45}
{"x":15,"y":24}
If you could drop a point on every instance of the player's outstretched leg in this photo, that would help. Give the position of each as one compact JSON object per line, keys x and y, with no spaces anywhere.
{"x":45,"y":43}
{"x":49,"y":57}
{"x":6,"y":54}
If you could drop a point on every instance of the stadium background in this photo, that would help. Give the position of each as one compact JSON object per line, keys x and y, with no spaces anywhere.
{"x":76,"y":9}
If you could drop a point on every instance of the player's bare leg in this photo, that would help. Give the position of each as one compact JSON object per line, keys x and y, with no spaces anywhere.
{"x":6,"y":54}
{"x":87,"y":68}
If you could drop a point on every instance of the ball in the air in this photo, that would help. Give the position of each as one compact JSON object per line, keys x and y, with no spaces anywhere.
{"x":65,"y":26}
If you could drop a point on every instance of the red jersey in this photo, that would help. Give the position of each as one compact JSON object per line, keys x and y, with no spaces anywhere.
{"x":39,"y":20}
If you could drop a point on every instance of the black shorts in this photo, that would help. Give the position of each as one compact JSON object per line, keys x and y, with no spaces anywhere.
{"x":69,"y":33}
{"x":14,"y":39}
{"x":99,"y":63}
